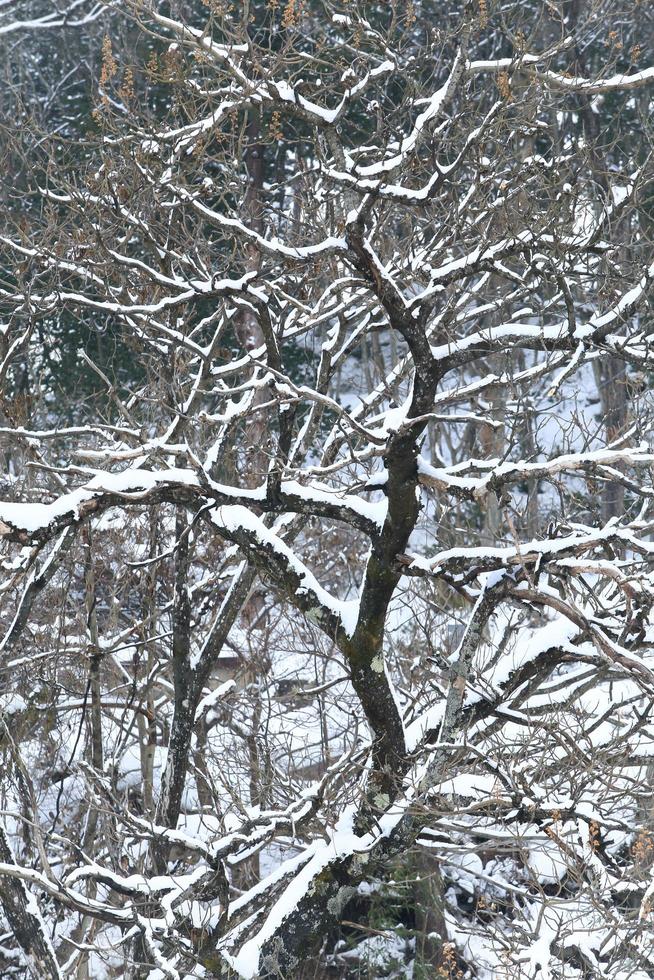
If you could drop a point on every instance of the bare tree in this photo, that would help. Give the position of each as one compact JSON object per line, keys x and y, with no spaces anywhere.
{"x":324,"y":571}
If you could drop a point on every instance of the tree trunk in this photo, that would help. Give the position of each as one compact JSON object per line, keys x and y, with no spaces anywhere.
{"x":24,"y":920}
{"x":431,"y":931}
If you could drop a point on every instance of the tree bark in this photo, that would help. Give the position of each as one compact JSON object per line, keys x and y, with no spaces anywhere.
{"x":24,"y":919}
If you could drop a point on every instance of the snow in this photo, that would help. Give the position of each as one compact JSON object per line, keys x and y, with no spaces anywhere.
{"x":235,"y":518}
{"x":408,"y":143}
{"x":320,"y":492}
{"x":208,"y":702}
{"x":34,"y":517}
{"x":343,"y":842}
{"x":559,"y":686}
{"x":12,"y":704}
